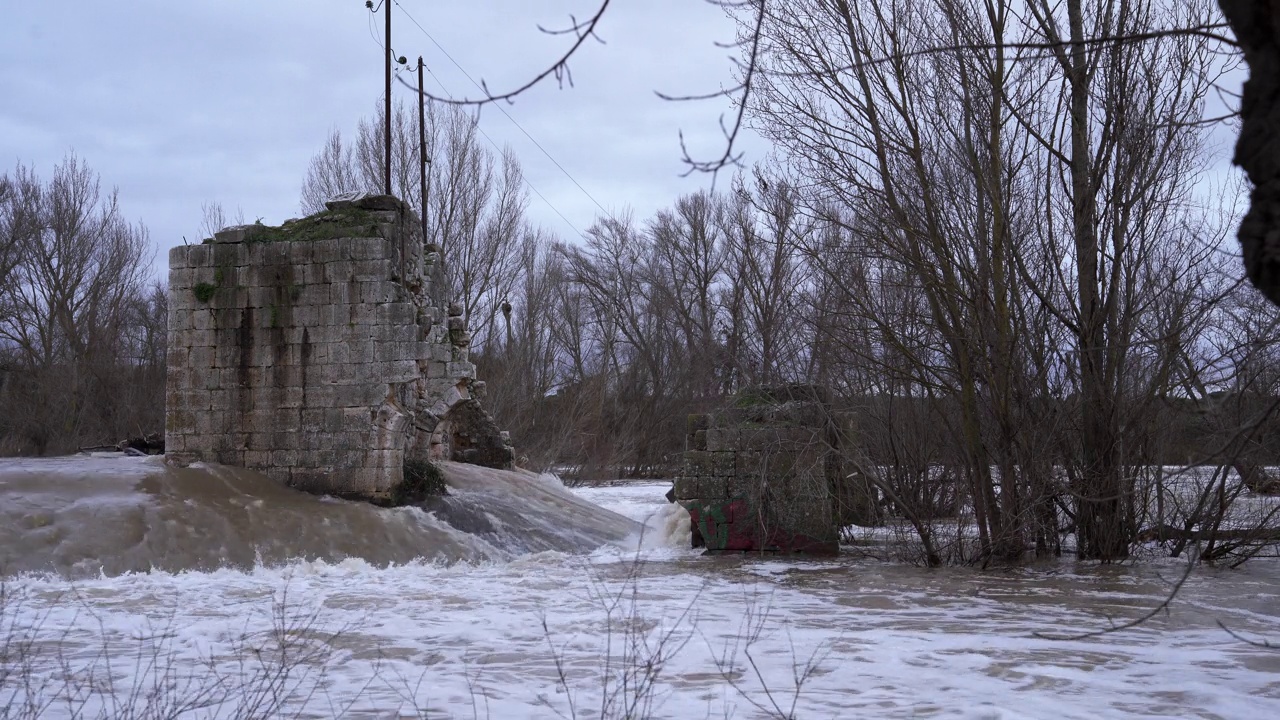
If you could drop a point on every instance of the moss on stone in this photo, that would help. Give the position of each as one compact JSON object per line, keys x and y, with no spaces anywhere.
{"x":752,"y":398}
{"x":326,"y":225}
{"x":204,"y":291}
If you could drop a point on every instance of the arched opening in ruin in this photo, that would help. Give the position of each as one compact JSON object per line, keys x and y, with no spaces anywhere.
{"x":467,"y":433}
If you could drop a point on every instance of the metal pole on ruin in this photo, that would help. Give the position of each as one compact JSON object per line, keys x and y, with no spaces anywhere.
{"x":387,"y":106}
{"x":422,"y":151}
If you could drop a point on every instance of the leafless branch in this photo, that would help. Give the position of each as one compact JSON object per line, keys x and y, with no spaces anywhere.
{"x":559,"y":69}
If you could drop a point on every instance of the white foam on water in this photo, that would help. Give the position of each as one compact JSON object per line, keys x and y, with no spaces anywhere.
{"x":505,"y":636}
{"x":665,"y":526}
{"x":882,"y":644}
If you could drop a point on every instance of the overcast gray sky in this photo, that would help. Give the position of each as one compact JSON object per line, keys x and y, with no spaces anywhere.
{"x":178,"y":103}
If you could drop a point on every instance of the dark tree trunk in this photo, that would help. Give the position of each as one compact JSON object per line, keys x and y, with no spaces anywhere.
{"x":1257,"y":27}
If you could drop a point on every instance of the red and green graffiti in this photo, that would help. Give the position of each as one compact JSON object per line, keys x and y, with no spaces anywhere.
{"x":734,"y":525}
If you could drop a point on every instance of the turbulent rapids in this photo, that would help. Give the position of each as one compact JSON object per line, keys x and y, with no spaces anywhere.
{"x":84,"y":516}
{"x":241,"y":582}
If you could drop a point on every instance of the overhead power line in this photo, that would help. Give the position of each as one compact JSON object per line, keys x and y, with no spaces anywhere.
{"x":500,"y":108}
{"x":495,"y":146}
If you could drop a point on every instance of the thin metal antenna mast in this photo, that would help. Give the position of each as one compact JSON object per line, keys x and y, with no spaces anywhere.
{"x":387,"y":107}
{"x":422,"y":151}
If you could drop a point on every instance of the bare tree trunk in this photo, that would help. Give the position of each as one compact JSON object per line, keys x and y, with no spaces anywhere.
{"x":1102,"y":532}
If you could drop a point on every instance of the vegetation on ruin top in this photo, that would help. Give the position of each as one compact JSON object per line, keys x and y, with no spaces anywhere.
{"x":324,"y":225}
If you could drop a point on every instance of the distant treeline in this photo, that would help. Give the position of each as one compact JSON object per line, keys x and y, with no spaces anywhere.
{"x":82,"y":325}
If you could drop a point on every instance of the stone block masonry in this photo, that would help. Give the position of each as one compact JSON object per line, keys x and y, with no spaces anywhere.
{"x":321,"y":353}
{"x":765,"y":474}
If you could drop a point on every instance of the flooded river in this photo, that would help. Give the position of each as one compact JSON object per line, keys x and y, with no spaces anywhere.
{"x":132,"y":586}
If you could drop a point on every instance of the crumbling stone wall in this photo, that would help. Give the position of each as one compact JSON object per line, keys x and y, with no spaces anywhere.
{"x":321,"y":352}
{"x":765,"y":474}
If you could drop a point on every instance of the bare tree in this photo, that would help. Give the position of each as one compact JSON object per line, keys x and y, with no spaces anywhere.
{"x":67,"y":307}
{"x":342,"y":166}
{"x":685,"y":272}
{"x":943,"y":129}
{"x":524,"y":366}
{"x":476,"y":210}
{"x":14,"y":222}
{"x":630,"y":338}
{"x":767,"y":279}
{"x":333,"y":171}
{"x":213,"y":217}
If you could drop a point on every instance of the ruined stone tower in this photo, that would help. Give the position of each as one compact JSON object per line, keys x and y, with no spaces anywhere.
{"x":323,"y":353}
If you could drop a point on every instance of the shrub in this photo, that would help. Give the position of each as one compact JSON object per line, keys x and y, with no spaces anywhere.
{"x":422,"y":479}
{"x":204,"y":291}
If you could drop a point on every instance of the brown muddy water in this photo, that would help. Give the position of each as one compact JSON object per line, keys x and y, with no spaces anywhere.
{"x":519,"y":599}
{"x":85,"y":516}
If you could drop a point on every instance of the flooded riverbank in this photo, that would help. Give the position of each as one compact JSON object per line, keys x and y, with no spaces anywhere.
{"x":554,"y":633}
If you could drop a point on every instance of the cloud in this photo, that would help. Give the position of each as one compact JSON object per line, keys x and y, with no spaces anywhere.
{"x":182,"y":103}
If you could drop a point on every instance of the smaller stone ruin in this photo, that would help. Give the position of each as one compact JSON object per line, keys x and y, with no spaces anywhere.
{"x":765,"y":474}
